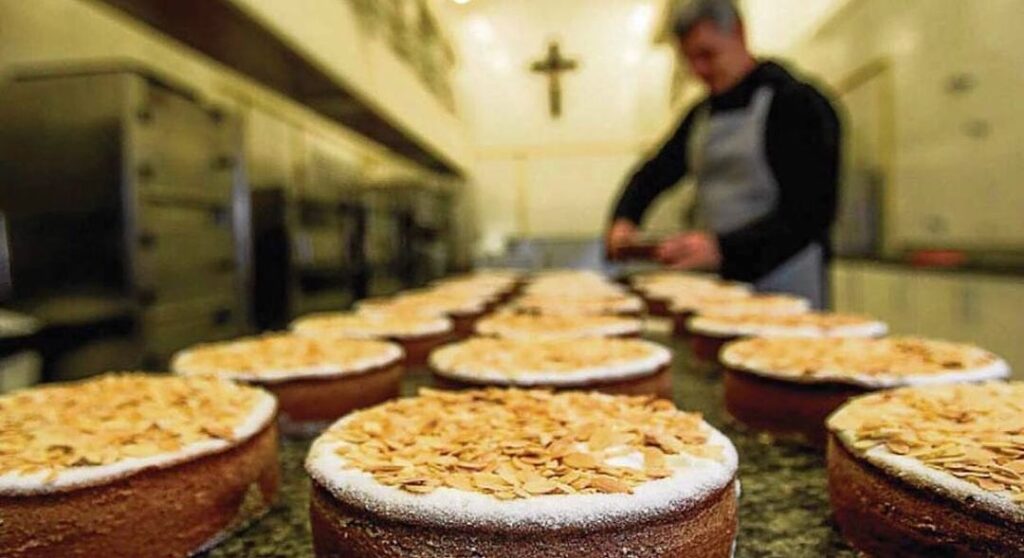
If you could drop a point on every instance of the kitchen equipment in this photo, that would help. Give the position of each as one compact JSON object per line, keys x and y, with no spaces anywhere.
{"x":127,"y":215}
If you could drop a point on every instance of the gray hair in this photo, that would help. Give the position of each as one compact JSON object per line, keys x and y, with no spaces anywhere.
{"x":722,"y":13}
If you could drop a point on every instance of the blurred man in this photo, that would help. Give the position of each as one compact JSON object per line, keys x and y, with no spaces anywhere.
{"x":764,"y":150}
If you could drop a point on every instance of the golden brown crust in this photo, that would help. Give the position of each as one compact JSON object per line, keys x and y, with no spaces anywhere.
{"x":417,"y":350}
{"x":343,"y":531}
{"x":883,"y":516}
{"x":310,"y":405}
{"x":784,"y":408}
{"x":706,"y":347}
{"x":173,"y":511}
{"x":657,"y":307}
{"x":679,"y":321}
{"x":658,"y":383}
{"x":463,"y":324}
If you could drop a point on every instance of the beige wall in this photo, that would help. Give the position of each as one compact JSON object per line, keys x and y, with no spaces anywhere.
{"x":954,"y":158}
{"x":536,"y":176}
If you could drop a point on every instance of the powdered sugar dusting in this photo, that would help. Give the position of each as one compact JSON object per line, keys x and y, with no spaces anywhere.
{"x":531,"y":326}
{"x":388,"y":354}
{"x":749,"y":356}
{"x":694,"y":480}
{"x":14,"y":484}
{"x":914,"y":472}
{"x":709,"y":325}
{"x":371,"y":325}
{"x":445,"y":362}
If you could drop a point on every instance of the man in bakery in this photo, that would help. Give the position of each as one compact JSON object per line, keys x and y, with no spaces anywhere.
{"x":763,"y":148}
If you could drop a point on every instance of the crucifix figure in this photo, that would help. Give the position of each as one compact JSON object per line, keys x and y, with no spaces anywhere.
{"x":553,"y":65}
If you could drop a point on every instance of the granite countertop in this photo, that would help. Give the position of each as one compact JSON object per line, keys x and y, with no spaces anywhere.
{"x":784,"y":509}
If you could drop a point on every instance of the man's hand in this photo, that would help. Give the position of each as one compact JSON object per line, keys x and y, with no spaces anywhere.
{"x":622,"y":233}
{"x":692,"y":250}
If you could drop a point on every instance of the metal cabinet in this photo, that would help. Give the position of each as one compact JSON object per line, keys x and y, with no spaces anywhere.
{"x":127,"y":188}
{"x":327,"y":231}
{"x":387,"y":244}
{"x":410,"y":234}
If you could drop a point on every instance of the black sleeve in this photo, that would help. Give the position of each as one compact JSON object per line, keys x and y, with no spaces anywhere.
{"x":802,"y":145}
{"x":657,"y":174}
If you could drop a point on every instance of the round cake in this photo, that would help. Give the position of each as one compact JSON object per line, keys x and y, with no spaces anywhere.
{"x":563,"y":474}
{"x":620,"y":304}
{"x":417,"y":333}
{"x":729,"y":301}
{"x":930,"y":471}
{"x":462,"y":308}
{"x":611,"y":365}
{"x":555,"y":326}
{"x":660,"y":290}
{"x":316,"y":380}
{"x":572,"y":284}
{"x":133,"y":465}
{"x":669,"y":278}
{"x":494,"y":284}
{"x":709,"y":332}
{"x":789,"y":386}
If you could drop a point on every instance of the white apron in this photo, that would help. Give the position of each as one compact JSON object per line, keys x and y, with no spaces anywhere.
{"x":735,"y":187}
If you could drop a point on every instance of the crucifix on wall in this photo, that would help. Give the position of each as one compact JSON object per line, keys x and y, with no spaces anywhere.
{"x":553,"y":65}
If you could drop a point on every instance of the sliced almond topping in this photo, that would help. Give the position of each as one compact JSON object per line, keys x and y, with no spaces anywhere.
{"x":990,"y":485}
{"x":610,"y":485}
{"x":970,"y":431}
{"x":114,"y":417}
{"x":580,"y":461}
{"x":535,"y":443}
{"x":540,"y":486}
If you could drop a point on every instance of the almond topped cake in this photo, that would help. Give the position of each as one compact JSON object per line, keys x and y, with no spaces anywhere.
{"x":572,"y":284}
{"x":316,"y":380}
{"x":609,"y":303}
{"x":492,"y":284}
{"x":417,"y":333}
{"x":755,"y":304}
{"x":462,"y":308}
{"x":693,"y":301}
{"x":557,"y":326}
{"x":790,"y":385}
{"x":567,"y":474}
{"x":682,"y":306}
{"x":611,"y":365}
{"x":123,"y":464}
{"x":661,"y":289}
{"x":709,"y":332}
{"x":931,"y":470}
{"x":671,"y":280}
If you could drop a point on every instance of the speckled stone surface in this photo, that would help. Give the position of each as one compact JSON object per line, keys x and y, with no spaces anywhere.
{"x":783,"y":510}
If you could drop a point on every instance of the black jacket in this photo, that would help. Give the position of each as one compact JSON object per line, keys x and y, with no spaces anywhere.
{"x":802,"y":149}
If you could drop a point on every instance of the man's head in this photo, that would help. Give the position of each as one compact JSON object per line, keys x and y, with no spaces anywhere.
{"x":711,"y":35}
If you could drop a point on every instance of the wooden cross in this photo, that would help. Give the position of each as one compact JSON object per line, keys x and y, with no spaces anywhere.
{"x":553,"y":65}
